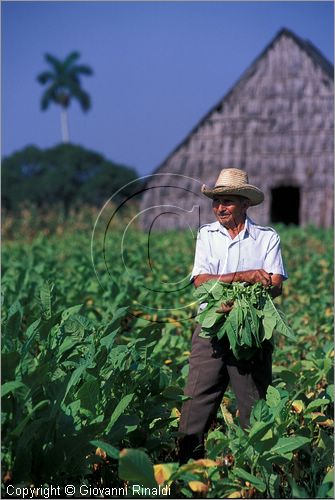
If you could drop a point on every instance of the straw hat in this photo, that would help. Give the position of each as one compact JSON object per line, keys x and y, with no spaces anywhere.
{"x":234,"y":181}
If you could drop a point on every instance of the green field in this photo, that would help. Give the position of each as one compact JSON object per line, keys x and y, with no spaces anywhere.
{"x":94,"y":361}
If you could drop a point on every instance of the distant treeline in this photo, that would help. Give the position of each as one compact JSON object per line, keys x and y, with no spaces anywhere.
{"x":66,"y":173}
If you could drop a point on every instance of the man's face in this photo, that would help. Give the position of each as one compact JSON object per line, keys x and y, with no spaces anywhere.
{"x":230,"y":210}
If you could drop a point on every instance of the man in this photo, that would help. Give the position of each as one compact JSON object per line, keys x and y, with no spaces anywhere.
{"x":233,"y":248}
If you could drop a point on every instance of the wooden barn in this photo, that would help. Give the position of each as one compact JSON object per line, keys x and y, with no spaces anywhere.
{"x":276,"y":123}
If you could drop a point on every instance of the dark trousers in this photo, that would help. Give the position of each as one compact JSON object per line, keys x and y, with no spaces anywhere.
{"x":211,"y":367}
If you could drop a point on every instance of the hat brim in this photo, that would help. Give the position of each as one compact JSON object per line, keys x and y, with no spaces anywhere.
{"x":249,"y":191}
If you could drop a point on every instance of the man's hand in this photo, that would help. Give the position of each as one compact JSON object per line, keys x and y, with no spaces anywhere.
{"x":255,"y":276}
{"x":267,"y":279}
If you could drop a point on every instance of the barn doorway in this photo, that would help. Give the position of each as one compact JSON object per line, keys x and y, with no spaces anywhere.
{"x":285,"y":204}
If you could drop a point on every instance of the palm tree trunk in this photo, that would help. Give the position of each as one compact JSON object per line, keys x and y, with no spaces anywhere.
{"x":64,"y":125}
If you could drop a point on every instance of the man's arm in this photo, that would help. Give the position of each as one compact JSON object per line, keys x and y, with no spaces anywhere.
{"x":253,"y":276}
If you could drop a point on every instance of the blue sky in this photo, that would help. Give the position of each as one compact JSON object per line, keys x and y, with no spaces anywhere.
{"x":158,"y":67}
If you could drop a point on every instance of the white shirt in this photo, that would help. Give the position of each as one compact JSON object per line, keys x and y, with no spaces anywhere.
{"x":255,"y":247}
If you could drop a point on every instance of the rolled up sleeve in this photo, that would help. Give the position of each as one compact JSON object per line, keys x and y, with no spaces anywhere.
{"x":273,"y":262}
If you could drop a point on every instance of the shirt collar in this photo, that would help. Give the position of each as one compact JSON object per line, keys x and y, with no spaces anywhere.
{"x":249,"y":227}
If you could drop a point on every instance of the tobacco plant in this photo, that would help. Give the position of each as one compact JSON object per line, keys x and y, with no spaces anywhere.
{"x":93,"y":370}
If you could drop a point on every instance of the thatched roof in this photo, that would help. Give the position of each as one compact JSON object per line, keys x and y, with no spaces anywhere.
{"x":276,"y":121}
{"x":317,"y":57}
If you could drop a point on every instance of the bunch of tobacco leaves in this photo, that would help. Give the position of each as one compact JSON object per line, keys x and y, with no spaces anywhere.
{"x":252,"y":319}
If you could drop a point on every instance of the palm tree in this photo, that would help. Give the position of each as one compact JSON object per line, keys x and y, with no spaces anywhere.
{"x":64,"y":85}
